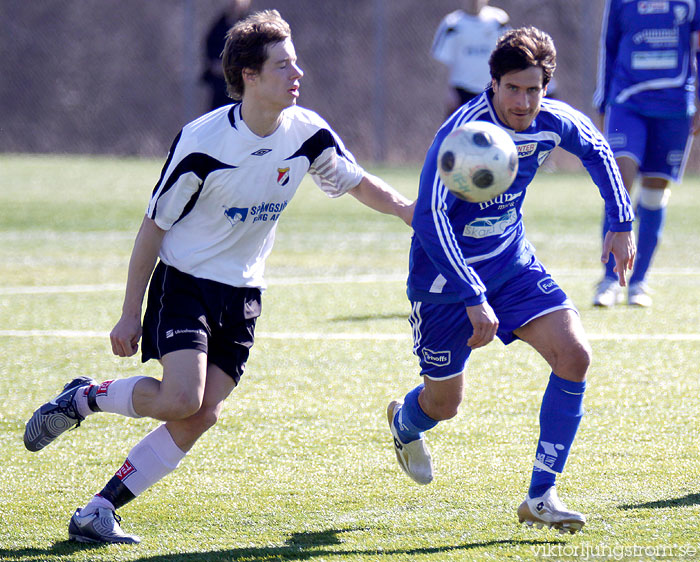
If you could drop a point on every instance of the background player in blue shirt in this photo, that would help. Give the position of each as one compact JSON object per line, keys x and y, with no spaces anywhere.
{"x":473,"y":275}
{"x":646,"y":89}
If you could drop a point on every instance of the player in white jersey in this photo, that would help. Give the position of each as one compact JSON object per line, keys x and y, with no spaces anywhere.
{"x":463,"y":42}
{"x":473,"y":275}
{"x":211,"y":220}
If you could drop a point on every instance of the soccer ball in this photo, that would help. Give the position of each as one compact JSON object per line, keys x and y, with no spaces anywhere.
{"x":477,"y":161}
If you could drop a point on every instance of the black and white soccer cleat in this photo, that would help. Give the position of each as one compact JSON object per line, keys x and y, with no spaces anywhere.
{"x":55,"y":417}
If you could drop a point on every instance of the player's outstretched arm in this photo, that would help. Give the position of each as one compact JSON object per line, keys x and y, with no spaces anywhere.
{"x":623,"y":249}
{"x":127,"y":331}
{"x":380,"y":196}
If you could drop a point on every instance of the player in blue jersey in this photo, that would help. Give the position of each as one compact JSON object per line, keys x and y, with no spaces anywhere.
{"x":210,"y":225}
{"x":473,"y":275}
{"x":646,"y":90}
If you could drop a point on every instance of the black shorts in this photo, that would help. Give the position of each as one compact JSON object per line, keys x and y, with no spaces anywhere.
{"x":186,"y":312}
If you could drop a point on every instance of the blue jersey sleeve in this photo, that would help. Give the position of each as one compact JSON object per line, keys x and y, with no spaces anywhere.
{"x":609,"y":46}
{"x":433,"y":227}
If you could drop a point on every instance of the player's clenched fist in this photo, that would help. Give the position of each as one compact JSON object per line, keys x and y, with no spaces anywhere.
{"x":125,"y":336}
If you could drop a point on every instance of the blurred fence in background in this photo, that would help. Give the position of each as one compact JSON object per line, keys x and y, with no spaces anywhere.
{"x":122,"y":76}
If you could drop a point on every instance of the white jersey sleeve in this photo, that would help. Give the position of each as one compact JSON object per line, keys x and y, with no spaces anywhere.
{"x":335,"y":170}
{"x":181,"y":181}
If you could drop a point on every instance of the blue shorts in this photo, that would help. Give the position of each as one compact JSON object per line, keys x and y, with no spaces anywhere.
{"x":660,"y":146}
{"x":441,"y":331}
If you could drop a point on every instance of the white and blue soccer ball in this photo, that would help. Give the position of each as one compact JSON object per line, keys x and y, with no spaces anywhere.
{"x":478,"y":161}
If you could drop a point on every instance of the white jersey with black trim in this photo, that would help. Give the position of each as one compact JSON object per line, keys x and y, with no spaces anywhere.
{"x":223,"y":188}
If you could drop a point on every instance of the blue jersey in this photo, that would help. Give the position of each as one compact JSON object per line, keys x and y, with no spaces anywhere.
{"x":647,"y":54}
{"x":460,"y":248}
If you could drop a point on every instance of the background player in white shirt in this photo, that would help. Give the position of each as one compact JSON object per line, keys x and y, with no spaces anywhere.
{"x":211,"y":220}
{"x":463,"y":41}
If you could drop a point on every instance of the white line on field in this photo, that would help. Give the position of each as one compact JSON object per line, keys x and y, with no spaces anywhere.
{"x":349,"y":336}
{"x":51,"y":289}
{"x":330,"y":280}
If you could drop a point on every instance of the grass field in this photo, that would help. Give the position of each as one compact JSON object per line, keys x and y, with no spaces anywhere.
{"x":301,"y":465}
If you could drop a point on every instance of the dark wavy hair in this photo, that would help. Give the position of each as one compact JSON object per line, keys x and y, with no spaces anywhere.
{"x":246,"y":46}
{"x":521,"y":48}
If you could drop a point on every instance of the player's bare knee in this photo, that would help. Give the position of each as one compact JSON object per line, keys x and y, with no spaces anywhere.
{"x":181,"y":407}
{"x":573,"y":364}
{"x":441,"y":409}
{"x":207,"y":418}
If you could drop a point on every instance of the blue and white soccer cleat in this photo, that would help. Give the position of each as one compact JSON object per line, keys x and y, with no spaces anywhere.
{"x":101,"y":526}
{"x":548,"y":510}
{"x":55,"y":417}
{"x":414,"y":457}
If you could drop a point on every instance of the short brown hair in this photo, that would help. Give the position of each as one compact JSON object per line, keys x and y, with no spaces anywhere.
{"x":246,"y":46}
{"x":519,"y":49}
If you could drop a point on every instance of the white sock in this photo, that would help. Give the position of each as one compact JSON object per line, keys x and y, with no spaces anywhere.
{"x":95,"y":503}
{"x":152,"y":458}
{"x":116,"y":396}
{"x":654,"y":199}
{"x":113,"y":396}
{"x":81,"y":402}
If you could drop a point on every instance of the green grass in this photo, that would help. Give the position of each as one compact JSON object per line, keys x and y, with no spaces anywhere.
{"x":301,"y":466}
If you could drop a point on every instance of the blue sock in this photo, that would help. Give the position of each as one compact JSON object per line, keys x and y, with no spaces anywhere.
{"x":651,"y":225}
{"x":609,"y":273}
{"x":560,"y":415}
{"x":411,"y":421}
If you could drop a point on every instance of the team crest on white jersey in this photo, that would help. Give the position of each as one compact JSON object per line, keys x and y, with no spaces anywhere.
{"x":282,"y":176}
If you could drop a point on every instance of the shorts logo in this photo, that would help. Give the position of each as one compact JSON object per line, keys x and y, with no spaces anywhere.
{"x":283,"y":176}
{"x":103,"y":389}
{"x":547,"y":285}
{"x":437,"y":358}
{"x":617,"y":140}
{"x":525,"y":150}
{"x":235,"y":215}
{"x":126,"y":470}
{"x":675,"y":157}
{"x":171,"y":333}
